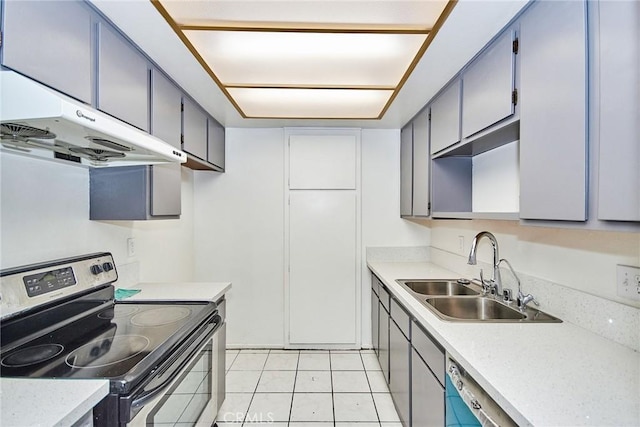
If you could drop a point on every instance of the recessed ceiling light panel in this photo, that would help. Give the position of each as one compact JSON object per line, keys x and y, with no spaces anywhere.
{"x":310,"y":103}
{"x":311,"y":59}
{"x":306,"y":58}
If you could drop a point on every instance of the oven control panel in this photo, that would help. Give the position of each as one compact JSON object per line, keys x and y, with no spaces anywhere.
{"x":49,"y":281}
{"x":26,"y":287}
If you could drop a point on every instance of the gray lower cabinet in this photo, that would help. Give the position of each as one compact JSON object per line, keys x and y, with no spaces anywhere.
{"x":123,"y":79}
{"x":375,"y":325}
{"x":383,"y":325}
{"x":427,"y":395}
{"x":553,"y":112}
{"x":619,"y":79}
{"x":427,"y":380}
{"x":134,"y":193}
{"x":50,"y":41}
{"x":399,"y":362}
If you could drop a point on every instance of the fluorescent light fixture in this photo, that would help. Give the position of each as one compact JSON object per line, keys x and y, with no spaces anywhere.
{"x":306,"y":58}
{"x":310,"y":103}
{"x":309,"y":66}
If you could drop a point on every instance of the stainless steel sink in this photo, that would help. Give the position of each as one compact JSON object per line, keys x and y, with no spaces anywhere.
{"x":438,"y":287}
{"x":483,"y":309}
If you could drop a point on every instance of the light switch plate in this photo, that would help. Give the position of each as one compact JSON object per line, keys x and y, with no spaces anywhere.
{"x":628,"y":280}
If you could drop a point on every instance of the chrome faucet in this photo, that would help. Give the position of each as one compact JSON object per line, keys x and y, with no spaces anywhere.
{"x":522,"y":299}
{"x":496,"y":280}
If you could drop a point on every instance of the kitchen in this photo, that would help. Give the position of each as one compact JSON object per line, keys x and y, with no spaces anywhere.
{"x":232,"y":227}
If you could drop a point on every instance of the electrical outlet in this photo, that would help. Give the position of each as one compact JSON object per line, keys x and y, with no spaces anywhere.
{"x":131,"y":247}
{"x":628,"y":280}
{"x":461,"y":244}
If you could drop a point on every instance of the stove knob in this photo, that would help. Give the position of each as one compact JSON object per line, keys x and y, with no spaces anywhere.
{"x":107,"y":266}
{"x":96,"y":269}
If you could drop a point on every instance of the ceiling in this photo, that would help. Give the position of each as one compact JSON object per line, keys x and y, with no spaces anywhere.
{"x":471,"y":24}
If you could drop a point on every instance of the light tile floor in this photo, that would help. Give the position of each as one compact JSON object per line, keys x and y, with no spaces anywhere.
{"x":307,"y":388}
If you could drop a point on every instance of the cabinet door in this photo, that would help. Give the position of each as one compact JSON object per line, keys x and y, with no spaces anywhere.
{"x":322,"y":162}
{"x":322,"y":271}
{"x":488,"y":84}
{"x":166,"y":109}
{"x":619,"y":156}
{"x":421,"y":163}
{"x":166,"y":190}
{"x":194,"y":129}
{"x":215,"y":143}
{"x":427,"y":395}
{"x":123,"y":79}
{"x":445,"y":118}
{"x":50,"y":41}
{"x":553,"y":144}
{"x":399,"y":379}
{"x":406,"y":170}
{"x":383,"y":349}
{"x":375,"y":329}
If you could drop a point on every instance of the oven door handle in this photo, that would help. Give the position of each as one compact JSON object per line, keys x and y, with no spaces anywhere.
{"x":161,"y":388}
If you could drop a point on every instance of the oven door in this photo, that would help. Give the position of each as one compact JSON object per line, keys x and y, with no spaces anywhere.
{"x":185,"y":393}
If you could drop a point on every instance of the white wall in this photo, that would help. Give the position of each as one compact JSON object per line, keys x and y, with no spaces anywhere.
{"x":581,"y":259}
{"x":45,"y":216}
{"x":381,"y":222}
{"x":239,"y":218}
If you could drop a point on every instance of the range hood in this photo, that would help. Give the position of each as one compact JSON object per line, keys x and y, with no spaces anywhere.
{"x":38,"y":121}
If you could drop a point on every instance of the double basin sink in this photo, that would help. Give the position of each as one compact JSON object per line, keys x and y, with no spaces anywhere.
{"x":453,"y":300}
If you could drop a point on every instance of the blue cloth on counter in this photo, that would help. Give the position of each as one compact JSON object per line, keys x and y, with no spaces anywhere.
{"x":121,"y":294}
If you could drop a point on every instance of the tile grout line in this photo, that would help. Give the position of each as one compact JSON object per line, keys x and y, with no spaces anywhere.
{"x":293,"y":392}
{"x":333,"y":400}
{"x":368,"y":382}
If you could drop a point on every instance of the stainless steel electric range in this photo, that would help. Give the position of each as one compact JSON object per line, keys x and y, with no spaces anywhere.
{"x":59,"y":319}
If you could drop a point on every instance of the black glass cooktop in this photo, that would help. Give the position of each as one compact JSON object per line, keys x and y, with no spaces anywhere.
{"x":119,"y":342}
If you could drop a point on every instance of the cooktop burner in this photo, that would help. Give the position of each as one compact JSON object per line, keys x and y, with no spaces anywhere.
{"x":32,"y":355}
{"x":119,"y":310}
{"x":106,"y":344}
{"x":161,"y":316}
{"x":108,"y":351}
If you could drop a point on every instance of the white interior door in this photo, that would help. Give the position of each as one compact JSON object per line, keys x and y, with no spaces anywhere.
{"x":323,"y":265}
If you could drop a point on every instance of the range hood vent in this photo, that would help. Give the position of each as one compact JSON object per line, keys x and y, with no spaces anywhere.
{"x":39,"y":121}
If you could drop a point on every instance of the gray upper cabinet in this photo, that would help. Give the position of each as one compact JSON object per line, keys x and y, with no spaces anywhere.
{"x":619,"y":139}
{"x":134,"y":193}
{"x":445,"y":118}
{"x":215,"y":143}
{"x":166,"y":190}
{"x":553,"y":110}
{"x":123,"y":79}
{"x":194,"y":129}
{"x":421,"y":163}
{"x":488,"y":86}
{"x":166,"y":109}
{"x":50,"y":41}
{"x":406,"y":170}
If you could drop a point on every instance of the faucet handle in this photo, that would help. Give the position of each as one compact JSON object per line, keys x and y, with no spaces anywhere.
{"x":506,"y":295}
{"x":524,"y":300}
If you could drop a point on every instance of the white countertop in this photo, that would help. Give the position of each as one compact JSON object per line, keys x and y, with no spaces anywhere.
{"x":191,"y":291}
{"x":59,"y":402}
{"x":552,"y":374}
